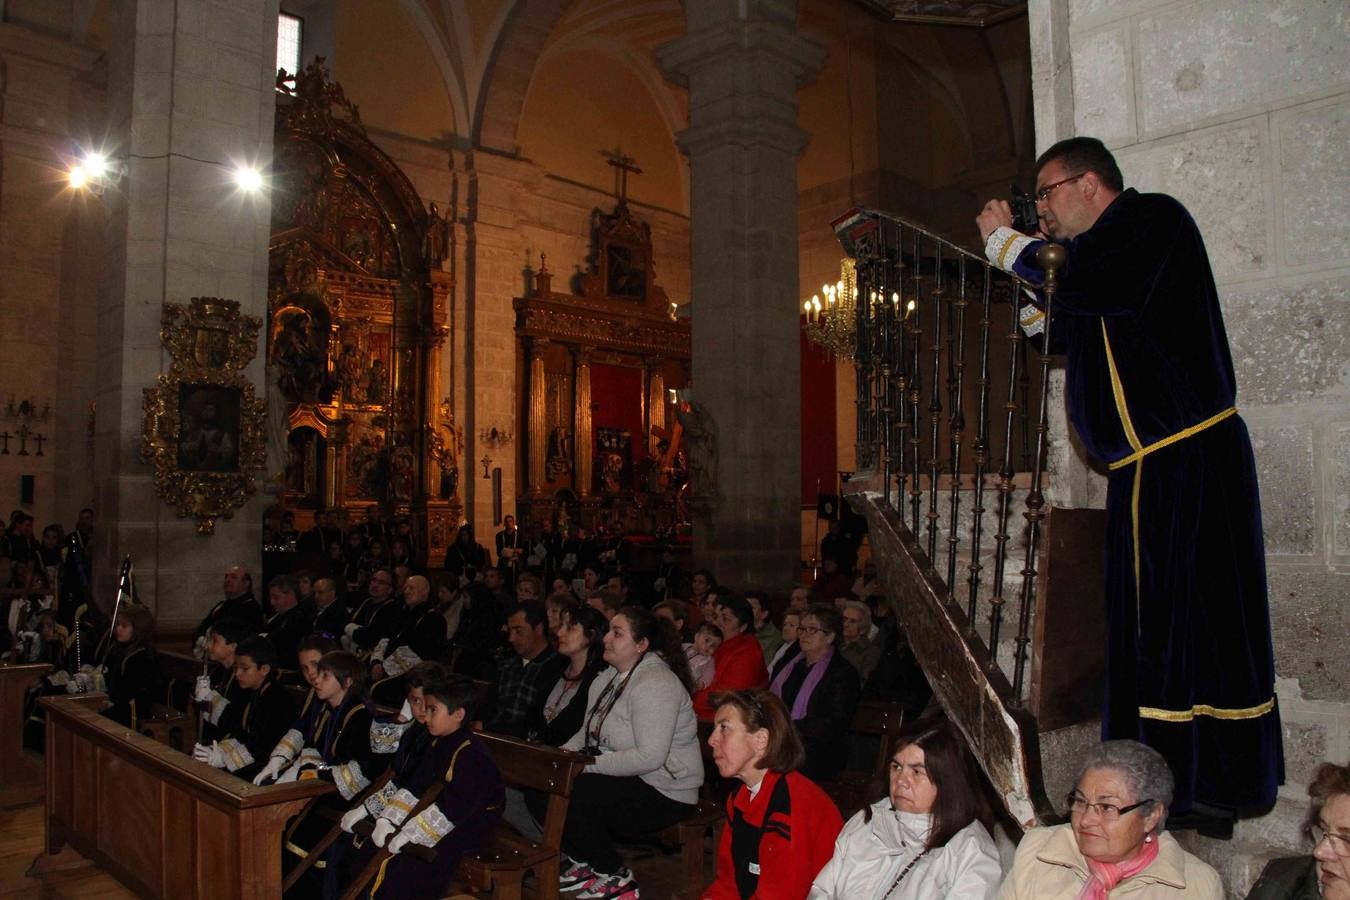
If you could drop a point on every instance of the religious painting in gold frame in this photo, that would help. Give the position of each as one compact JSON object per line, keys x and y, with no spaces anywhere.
{"x":203,"y":424}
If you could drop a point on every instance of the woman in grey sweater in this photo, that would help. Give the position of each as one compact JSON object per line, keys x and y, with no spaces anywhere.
{"x":640,"y":727}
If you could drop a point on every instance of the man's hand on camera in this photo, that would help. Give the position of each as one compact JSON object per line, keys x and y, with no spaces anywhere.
{"x":996,"y":213}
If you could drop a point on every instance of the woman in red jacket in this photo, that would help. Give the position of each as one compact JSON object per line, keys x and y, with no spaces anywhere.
{"x":739,"y":662}
{"x":781,"y":826}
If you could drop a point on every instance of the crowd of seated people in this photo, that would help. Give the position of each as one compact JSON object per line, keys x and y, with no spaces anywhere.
{"x":307,"y":678}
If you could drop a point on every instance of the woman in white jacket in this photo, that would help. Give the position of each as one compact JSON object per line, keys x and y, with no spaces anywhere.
{"x":648,"y":767}
{"x":923,"y":839}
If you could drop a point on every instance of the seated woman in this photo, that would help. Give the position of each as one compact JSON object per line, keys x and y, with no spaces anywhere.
{"x":1114,"y":844}
{"x":781,"y":826}
{"x":739,"y":662}
{"x":921,"y":840}
{"x":640,"y":728}
{"x":132,"y":675}
{"x":1326,"y":874}
{"x":581,"y":632}
{"x":821,"y":689}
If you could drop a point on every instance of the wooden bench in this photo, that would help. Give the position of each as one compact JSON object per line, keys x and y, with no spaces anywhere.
{"x":165,"y":825}
{"x":851,"y":791}
{"x":20,"y":771}
{"x":501,"y":866}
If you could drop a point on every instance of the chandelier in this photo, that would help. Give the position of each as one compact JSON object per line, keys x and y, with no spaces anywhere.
{"x":831,"y":315}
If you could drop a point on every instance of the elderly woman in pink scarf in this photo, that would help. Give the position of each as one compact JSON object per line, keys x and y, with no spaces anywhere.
{"x":1114,"y":844}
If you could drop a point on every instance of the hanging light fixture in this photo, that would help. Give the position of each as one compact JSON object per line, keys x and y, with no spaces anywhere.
{"x":831,"y":315}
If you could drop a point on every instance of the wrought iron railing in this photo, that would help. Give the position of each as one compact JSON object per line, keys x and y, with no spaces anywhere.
{"x":944,"y":377}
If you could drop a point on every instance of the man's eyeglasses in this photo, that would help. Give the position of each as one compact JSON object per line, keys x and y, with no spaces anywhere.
{"x":1044,"y":192}
{"x":809,"y":629}
{"x":1078,"y":805}
{"x":1339,"y":843}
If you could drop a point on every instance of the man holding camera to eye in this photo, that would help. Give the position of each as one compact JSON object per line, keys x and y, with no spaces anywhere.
{"x":1150,"y":390}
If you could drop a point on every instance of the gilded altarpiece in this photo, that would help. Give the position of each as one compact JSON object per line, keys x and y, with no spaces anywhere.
{"x":597,"y":367}
{"x":358,"y":323}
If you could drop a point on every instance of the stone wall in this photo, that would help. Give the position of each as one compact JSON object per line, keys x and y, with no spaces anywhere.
{"x":1240,"y":109}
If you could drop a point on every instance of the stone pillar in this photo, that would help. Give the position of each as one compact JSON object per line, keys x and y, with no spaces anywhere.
{"x":742,"y":63}
{"x":538,"y":446}
{"x":585,"y":441}
{"x":190,"y":93}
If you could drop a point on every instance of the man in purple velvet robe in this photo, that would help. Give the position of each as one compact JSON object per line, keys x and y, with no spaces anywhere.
{"x":1150,"y":391}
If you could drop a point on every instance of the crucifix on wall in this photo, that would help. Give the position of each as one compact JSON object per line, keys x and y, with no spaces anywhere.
{"x":622,"y":164}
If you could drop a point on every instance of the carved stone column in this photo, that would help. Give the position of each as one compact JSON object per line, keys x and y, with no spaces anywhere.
{"x":584,"y":439}
{"x":743,"y":63}
{"x":538,"y":446}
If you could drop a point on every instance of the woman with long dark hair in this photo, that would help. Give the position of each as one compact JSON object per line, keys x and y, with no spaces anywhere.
{"x":581,"y":633}
{"x":921,"y":840}
{"x":639,"y":726}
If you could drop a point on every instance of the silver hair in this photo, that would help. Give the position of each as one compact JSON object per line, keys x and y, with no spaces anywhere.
{"x":862,"y":608}
{"x":1145,"y":771}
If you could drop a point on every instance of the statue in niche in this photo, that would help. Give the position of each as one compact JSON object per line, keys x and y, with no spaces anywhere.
{"x":278,"y":426}
{"x":700,"y":431}
{"x":349,"y":374}
{"x":366,"y":471}
{"x":559,"y":459}
{"x":377,"y":382}
{"x":435,"y":244}
{"x":444,"y":457}
{"x":297,"y":354}
{"x":401,"y":465}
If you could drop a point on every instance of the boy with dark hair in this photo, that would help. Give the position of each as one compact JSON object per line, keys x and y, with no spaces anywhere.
{"x":217,"y":690}
{"x":267,"y":712}
{"x":462,"y":816}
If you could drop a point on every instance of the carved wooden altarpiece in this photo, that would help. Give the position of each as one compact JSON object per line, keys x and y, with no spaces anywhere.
{"x":358,"y":321}
{"x":620,"y":327}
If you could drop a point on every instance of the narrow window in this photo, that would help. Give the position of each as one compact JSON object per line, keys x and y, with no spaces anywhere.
{"x":288,"y":43}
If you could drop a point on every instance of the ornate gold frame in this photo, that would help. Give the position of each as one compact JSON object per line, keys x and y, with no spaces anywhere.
{"x":210,"y":343}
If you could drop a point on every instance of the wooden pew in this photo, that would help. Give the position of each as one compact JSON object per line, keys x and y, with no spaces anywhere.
{"x":20,"y":771}
{"x":165,"y":825}
{"x":501,"y":866}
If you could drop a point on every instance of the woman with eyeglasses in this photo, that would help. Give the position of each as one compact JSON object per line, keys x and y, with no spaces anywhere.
{"x":820,"y":688}
{"x":780,"y":826}
{"x":1326,"y":874}
{"x":639,"y":726}
{"x":1114,"y":844}
{"x":923,"y":840}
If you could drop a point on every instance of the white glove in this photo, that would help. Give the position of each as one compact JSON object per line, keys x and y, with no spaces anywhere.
{"x":199,"y":648}
{"x":405,"y":714}
{"x":28,"y":635}
{"x":270,"y":771}
{"x":201,"y":691}
{"x":397,"y":841}
{"x":383,"y":828}
{"x":211,"y":755}
{"x":350,"y":629}
{"x":290,"y":774}
{"x":352,"y":816}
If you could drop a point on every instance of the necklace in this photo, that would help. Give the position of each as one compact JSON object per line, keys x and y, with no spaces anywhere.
{"x":903,"y":872}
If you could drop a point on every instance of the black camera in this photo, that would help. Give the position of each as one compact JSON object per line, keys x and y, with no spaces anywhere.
{"x":1024,"y":216}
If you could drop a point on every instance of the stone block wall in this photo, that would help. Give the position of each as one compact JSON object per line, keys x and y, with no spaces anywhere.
{"x":1241,"y":109}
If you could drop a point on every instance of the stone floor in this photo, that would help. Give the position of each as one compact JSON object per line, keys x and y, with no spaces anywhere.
{"x":659,"y":874}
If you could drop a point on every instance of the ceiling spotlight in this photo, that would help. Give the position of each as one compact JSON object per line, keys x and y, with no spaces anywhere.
{"x":78,"y":176}
{"x":248,"y":178}
{"x":95,"y":165}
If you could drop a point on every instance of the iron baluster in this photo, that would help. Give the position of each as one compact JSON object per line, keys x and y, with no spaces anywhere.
{"x":915,"y":393}
{"x":935,"y":413}
{"x":981,"y":450}
{"x":1050,"y":257}
{"x":957,"y":422}
{"x":1005,"y":489}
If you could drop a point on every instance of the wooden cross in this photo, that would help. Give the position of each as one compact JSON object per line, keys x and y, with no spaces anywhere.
{"x":23,"y":440}
{"x":39,"y":437}
{"x":624,"y":165}
{"x":5,"y":436}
